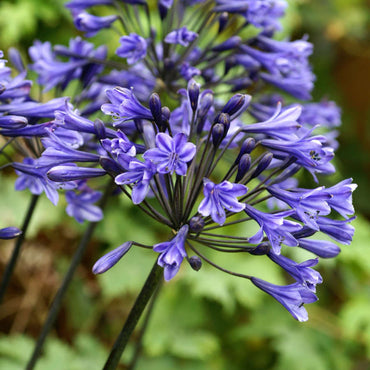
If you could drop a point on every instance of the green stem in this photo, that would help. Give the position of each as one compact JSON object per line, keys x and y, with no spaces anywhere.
{"x":139,"y":341}
{"x":143,"y":298}
{"x":17,"y":248}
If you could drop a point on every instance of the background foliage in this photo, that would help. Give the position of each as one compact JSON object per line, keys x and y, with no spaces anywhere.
{"x":203,"y":320}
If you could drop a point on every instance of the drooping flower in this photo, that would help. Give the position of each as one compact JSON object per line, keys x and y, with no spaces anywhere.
{"x":172,"y":253}
{"x":218,"y":197}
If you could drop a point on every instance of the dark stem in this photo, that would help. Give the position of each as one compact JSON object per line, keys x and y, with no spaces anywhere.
{"x":57,"y":302}
{"x":143,"y":298}
{"x":17,"y":248}
{"x":139,"y":341}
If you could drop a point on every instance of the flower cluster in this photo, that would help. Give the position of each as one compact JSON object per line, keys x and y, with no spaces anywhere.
{"x":169,"y":118}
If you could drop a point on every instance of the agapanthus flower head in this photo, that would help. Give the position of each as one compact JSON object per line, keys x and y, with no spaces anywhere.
{"x":173,"y":124}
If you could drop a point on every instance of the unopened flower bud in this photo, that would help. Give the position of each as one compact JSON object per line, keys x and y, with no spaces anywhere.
{"x":9,"y":232}
{"x":195,"y":263}
{"x":243,"y":167}
{"x":193,"y":93}
{"x":155,"y":106}
{"x":100,"y":129}
{"x":261,"y":249}
{"x":110,"y":259}
{"x":196,"y":224}
{"x":263,"y":164}
{"x":217,"y":134}
{"x":236,"y":105}
{"x":222,"y":21}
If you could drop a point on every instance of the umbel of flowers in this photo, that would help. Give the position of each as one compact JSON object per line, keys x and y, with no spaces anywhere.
{"x":189,"y":121}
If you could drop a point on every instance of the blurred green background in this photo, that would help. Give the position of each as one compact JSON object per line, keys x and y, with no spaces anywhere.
{"x":203,"y":320}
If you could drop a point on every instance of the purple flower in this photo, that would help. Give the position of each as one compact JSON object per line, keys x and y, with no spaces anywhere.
{"x":308,"y":204}
{"x":301,"y":272}
{"x":337,"y":229}
{"x":80,"y":205}
{"x":182,"y":36}
{"x":172,"y":253}
{"x":124,"y":106}
{"x":325,"y":113}
{"x":31,"y":175}
{"x":217,"y":197}
{"x":261,"y":13}
{"x":92,"y":24}
{"x":139,"y":174}
{"x":277,"y":229}
{"x":341,"y":197}
{"x":110,"y":259}
{"x":119,"y":145}
{"x":133,"y":47}
{"x":171,"y":154}
{"x":188,"y":72}
{"x":292,"y":297}
{"x":283,"y":124}
{"x":309,"y":152}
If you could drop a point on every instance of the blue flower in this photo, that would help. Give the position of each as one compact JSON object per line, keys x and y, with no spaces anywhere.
{"x":172,"y":253}
{"x":301,"y":272}
{"x":277,"y":229}
{"x":171,"y":154}
{"x":80,"y":206}
{"x":92,"y":24}
{"x":139,"y":174}
{"x":182,"y":36}
{"x":292,"y":296}
{"x":124,"y":106}
{"x":133,"y":47}
{"x":218,"y":197}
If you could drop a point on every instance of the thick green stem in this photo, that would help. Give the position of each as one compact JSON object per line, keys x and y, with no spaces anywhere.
{"x":143,"y":298}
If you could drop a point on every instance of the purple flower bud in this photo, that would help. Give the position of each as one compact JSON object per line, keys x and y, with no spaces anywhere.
{"x":246,"y":148}
{"x":243,"y":166}
{"x":322,"y":248}
{"x":222,"y":21}
{"x":110,"y":259}
{"x":193,"y":93}
{"x":100,"y":129}
{"x":217,"y":134}
{"x":163,"y":7}
{"x":155,"y":106}
{"x":263,"y":164}
{"x":166,"y":113}
{"x":260,"y":249}
{"x":12,"y":122}
{"x":69,"y":173}
{"x":195,"y":262}
{"x":9,"y":232}
{"x":196,"y":224}
{"x":236,"y":105}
